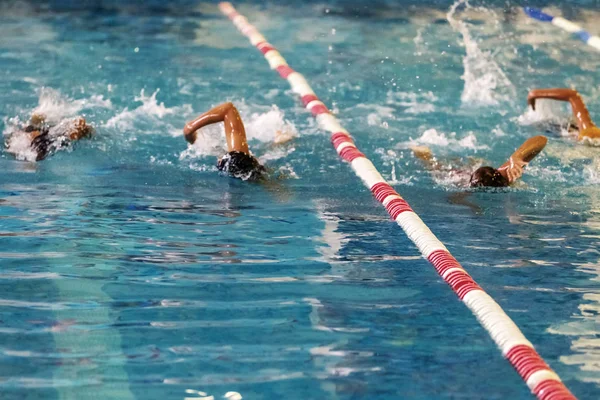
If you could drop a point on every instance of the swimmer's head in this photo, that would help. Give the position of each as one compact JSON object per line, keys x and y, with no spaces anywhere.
{"x":488,"y":177}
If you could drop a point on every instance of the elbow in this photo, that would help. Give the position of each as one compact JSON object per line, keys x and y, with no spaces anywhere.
{"x":189,"y":128}
{"x":573,"y":92}
{"x":228,"y":107}
{"x":189,"y":133}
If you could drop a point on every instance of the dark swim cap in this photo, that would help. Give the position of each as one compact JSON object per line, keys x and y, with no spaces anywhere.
{"x":488,"y":177}
{"x":241,"y":165}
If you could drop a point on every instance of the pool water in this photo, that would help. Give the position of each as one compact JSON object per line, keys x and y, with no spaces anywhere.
{"x":132,"y":270}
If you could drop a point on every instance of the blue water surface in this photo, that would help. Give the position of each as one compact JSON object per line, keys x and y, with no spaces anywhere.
{"x":130,"y":269}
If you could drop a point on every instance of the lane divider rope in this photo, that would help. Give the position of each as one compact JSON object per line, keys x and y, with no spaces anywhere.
{"x":540,"y":378}
{"x":565,"y":25}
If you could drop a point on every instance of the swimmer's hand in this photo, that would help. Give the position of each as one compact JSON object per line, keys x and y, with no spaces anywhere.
{"x":190,"y":134}
{"x":590,"y":133}
{"x":282,"y":137}
{"x":514,"y":170}
{"x":422,"y":152}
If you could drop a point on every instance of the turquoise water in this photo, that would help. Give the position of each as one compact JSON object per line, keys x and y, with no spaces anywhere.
{"x":131,"y":269}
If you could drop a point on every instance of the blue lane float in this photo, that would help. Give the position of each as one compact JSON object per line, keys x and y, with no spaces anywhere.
{"x":565,"y":25}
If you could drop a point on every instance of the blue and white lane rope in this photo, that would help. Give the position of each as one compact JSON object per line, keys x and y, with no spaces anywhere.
{"x":565,"y":25}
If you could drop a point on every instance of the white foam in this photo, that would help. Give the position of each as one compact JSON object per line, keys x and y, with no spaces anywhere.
{"x":435,"y":138}
{"x":420,"y":44}
{"x":288,"y":172}
{"x":271,"y":94}
{"x":55,"y":107}
{"x":20,"y":145}
{"x":573,"y":164}
{"x":549,"y":174}
{"x":546,"y":112}
{"x":276,"y":154}
{"x":592,"y":142}
{"x":150,"y":113}
{"x":485,"y":82}
{"x":498,"y":131}
{"x":266,"y":126}
{"x":209,"y":141}
{"x":389,"y":158}
{"x":380,"y":115}
{"x":592,"y":172}
{"x":416,"y":103}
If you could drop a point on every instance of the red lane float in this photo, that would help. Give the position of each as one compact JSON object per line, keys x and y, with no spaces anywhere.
{"x":284,"y":71}
{"x":542,"y":381}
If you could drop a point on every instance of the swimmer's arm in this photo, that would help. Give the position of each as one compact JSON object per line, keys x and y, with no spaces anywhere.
{"x":234,"y":127}
{"x":580,"y":111}
{"x":554,"y":94}
{"x":513,"y":168}
{"x":212,"y":116}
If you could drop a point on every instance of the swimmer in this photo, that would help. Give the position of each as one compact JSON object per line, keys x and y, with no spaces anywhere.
{"x":45,"y":139}
{"x":588,"y":131}
{"x":238,"y":162}
{"x":486,"y":176}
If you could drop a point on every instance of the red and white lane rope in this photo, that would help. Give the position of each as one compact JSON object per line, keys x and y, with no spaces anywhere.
{"x":542,"y":381}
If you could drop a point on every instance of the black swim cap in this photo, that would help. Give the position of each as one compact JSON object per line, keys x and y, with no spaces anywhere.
{"x":489,"y":177}
{"x":241,"y":165}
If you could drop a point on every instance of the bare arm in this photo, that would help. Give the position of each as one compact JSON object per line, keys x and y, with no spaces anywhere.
{"x":580,"y":112}
{"x":235,"y":133}
{"x":513,"y":168}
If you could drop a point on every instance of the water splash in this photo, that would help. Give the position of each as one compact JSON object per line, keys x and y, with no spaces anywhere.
{"x":416,"y":103}
{"x":58,"y":111}
{"x":548,"y":114}
{"x":267,"y":126}
{"x":485,"y":82}
{"x":435,"y":138}
{"x":389,"y":160}
{"x":420,"y":44}
{"x":149,"y":116}
{"x":19,"y":144}
{"x":55,"y":107}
